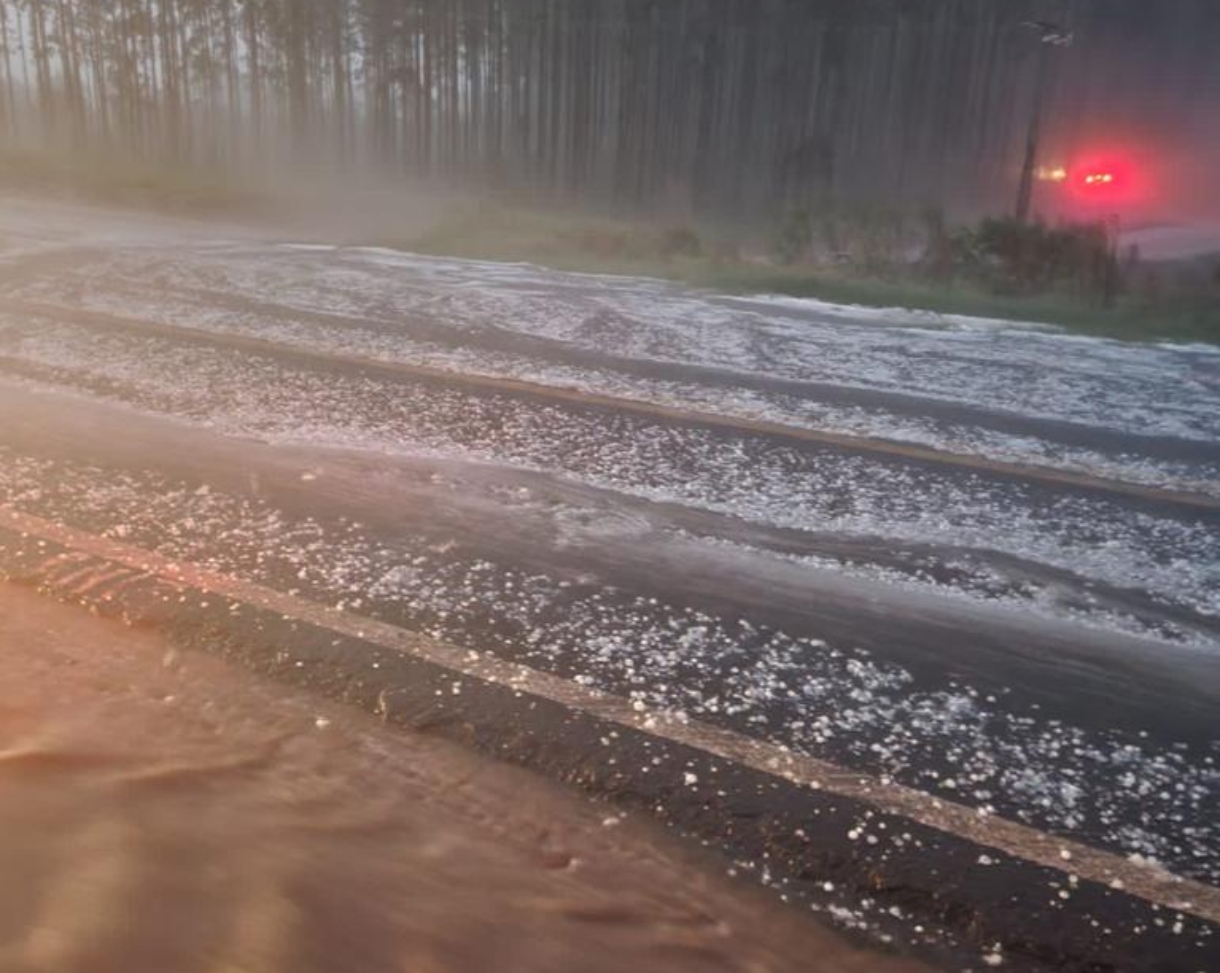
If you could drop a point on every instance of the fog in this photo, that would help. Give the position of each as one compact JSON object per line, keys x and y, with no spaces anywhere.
{"x":737,"y":110}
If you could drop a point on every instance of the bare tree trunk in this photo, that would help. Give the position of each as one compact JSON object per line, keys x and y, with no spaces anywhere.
{"x":10,"y":97}
{"x":100,"y":104}
{"x":42,"y":68}
{"x":255,"y":69}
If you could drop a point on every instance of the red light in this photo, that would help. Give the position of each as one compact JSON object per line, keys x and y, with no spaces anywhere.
{"x":1110,"y":179}
{"x":1104,"y":180}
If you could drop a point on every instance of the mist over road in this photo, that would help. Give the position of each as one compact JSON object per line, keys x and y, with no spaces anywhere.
{"x":969,"y":560}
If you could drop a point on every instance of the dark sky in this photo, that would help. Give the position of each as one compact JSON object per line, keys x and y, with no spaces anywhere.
{"x":1141,"y":85}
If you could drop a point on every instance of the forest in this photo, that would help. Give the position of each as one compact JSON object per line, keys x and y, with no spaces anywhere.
{"x":742,"y":109}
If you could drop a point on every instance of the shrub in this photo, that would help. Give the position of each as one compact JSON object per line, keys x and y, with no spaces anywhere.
{"x":795,"y":237}
{"x":1015,"y":258}
{"x":681,"y":241}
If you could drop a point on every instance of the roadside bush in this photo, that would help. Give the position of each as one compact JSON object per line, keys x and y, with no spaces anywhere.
{"x":795,"y":237}
{"x":681,"y":241}
{"x":1018,"y":259}
{"x":724,"y":252}
{"x":600,"y":242}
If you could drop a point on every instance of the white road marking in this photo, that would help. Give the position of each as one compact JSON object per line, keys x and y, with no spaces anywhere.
{"x":1138,"y":879}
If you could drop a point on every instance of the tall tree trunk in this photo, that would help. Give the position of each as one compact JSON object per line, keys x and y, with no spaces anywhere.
{"x":9,"y":112}
{"x":255,"y":68}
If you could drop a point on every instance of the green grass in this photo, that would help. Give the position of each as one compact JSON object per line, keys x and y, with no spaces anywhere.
{"x":1129,"y":320}
{"x":569,"y":240}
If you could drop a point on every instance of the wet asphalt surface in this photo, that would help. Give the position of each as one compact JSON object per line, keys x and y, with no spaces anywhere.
{"x":1042,"y":653}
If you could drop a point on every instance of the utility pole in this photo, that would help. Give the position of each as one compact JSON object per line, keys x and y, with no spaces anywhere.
{"x":1051,"y":36}
{"x":1112,"y":277}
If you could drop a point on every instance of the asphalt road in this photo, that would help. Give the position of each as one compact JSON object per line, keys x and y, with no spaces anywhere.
{"x":969,"y":570}
{"x":165,"y":811}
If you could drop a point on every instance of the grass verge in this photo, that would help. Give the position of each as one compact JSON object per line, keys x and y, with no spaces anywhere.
{"x":577,"y":242}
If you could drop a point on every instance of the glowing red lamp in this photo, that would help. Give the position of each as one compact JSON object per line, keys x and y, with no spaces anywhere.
{"x":1107,"y":180}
